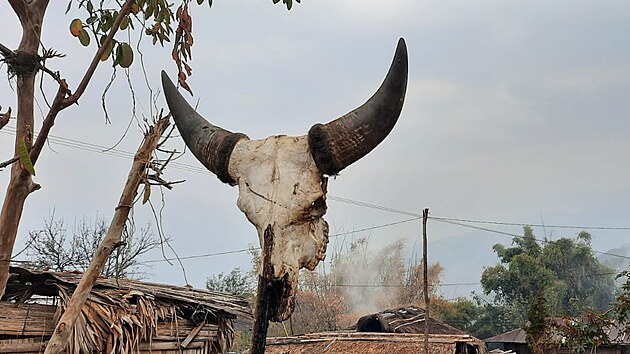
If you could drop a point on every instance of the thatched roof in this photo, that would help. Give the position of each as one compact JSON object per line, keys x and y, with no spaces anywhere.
{"x":368,"y":343}
{"x":403,"y":320}
{"x":120,"y":314}
{"x":391,"y":331}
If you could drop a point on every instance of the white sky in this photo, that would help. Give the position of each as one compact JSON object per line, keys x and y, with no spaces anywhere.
{"x":516,"y":111}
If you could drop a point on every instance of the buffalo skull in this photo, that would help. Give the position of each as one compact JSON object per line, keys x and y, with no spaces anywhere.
{"x":281,"y":179}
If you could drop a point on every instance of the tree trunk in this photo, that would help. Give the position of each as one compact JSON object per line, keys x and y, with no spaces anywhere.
{"x":31,"y":16}
{"x":59,"y":339}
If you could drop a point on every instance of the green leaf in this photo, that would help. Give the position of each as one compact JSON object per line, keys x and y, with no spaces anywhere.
{"x":209,"y":3}
{"x":124,"y":55}
{"x":199,"y":2}
{"x":84,"y":38}
{"x":124,"y":23}
{"x":106,"y":22}
{"x":69,"y":6}
{"x":107,"y":51}
{"x":135,"y":8}
{"x":25,"y":158}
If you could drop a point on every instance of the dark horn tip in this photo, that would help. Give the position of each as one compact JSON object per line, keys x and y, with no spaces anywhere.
{"x":337,"y":144}
{"x":166,"y":81}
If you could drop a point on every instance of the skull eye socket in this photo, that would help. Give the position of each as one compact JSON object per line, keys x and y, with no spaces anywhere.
{"x":317,"y":208}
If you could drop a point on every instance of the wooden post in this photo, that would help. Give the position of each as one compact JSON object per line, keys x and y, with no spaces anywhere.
{"x":59,"y":339}
{"x":261,"y":311}
{"x":425,"y":267}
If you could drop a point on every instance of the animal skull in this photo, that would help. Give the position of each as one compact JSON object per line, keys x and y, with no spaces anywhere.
{"x":281,"y":179}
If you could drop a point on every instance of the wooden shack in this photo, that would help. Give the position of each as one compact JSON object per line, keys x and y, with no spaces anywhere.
{"x":120,"y":316}
{"x":516,"y":342}
{"x":391,"y":331}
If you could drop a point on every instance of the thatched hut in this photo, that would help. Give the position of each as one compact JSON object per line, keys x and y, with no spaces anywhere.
{"x":120,"y":316}
{"x":391,"y":331}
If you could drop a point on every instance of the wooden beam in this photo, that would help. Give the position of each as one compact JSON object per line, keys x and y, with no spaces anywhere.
{"x":192,"y":335}
{"x":21,"y":347}
{"x":261,"y":312}
{"x":425,"y":275}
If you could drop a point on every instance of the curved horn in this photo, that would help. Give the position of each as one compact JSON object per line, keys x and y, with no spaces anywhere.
{"x":338,"y":144}
{"x":210,"y":144}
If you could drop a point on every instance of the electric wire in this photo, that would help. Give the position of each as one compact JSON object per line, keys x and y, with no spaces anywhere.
{"x":242,"y":250}
{"x":581,"y":227}
{"x":77,"y":144}
{"x":520,"y":236}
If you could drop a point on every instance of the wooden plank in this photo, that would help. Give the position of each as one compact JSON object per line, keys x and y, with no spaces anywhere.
{"x":192,"y":335}
{"x":144,"y":346}
{"x":26,"y":319}
{"x":21,"y":346}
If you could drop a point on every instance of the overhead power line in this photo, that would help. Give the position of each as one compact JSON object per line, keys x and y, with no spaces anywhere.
{"x":582,"y":227}
{"x":373,"y":206}
{"x":77,"y":144}
{"x":81,"y":145}
{"x":242,"y":250}
{"x":519,"y":236}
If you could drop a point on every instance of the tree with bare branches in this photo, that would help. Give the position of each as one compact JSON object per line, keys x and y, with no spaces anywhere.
{"x":58,"y":247}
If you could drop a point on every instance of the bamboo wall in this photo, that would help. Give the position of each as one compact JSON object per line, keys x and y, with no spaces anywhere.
{"x":26,"y":329}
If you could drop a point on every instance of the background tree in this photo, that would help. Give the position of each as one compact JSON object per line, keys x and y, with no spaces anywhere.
{"x":57,"y":248}
{"x":235,"y":282}
{"x":592,"y":328}
{"x":563,"y":277}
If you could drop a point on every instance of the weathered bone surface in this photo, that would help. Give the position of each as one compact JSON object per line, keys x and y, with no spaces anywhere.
{"x":281,"y":181}
{"x":281,"y":188}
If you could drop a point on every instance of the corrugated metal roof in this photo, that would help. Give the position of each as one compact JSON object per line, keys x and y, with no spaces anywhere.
{"x":514,"y":336}
{"x":403,"y":320}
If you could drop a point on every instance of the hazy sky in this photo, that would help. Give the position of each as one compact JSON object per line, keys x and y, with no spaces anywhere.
{"x":516,"y":111}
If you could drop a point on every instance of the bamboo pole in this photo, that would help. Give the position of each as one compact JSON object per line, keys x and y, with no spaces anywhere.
{"x":64,"y":327}
{"x":425,"y":275}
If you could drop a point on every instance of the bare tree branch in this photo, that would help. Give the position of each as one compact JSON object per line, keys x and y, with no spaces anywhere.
{"x":19,"y":7}
{"x":49,"y":121}
{"x":9,"y":162}
{"x":6,"y":52}
{"x":4,"y":117}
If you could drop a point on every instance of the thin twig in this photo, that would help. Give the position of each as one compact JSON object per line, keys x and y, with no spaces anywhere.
{"x":5,"y":117}
{"x":49,"y":121}
{"x":9,"y":162}
{"x":6,"y":52}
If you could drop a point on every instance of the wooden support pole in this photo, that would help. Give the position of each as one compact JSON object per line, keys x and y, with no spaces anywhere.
{"x":64,"y":328}
{"x":425,"y":267}
{"x":261,"y":312}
